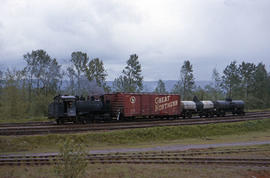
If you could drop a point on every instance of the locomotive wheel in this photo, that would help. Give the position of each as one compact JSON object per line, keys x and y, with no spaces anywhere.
{"x":75,"y":121}
{"x":82,"y":121}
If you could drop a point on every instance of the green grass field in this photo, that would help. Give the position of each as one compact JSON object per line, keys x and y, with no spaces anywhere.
{"x":24,"y":120}
{"x":135,"y":137}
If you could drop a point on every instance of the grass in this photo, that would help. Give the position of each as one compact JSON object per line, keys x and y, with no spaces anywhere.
{"x":140,"y":171}
{"x":257,"y":110}
{"x":133,"y":137}
{"x":148,"y":170}
{"x":23,"y":120}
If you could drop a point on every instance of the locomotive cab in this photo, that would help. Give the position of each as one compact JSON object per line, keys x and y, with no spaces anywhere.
{"x":69,"y":105}
{"x":63,"y":108}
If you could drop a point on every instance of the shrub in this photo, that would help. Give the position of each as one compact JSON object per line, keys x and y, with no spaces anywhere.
{"x":72,"y":160}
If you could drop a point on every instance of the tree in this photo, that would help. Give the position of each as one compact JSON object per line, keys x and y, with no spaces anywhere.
{"x":95,"y":71}
{"x":201,"y":93}
{"x":186,"y":83}
{"x":1,"y":82}
{"x":160,"y":87}
{"x":247,"y":71}
{"x":13,"y":102}
{"x":79,"y":61}
{"x":260,"y":87}
{"x":71,"y":76}
{"x":231,"y":80}
{"x":131,"y":78}
{"x":42,"y":69}
{"x":52,"y":77}
{"x":216,"y":84}
{"x":42,"y":76}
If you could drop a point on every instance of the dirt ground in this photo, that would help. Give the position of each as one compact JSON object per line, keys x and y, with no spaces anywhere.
{"x":142,"y":171}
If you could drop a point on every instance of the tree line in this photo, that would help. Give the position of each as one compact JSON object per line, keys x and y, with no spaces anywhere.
{"x":245,"y":81}
{"x":27,"y":92}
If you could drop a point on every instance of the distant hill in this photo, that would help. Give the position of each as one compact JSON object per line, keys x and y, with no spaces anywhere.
{"x":150,"y":86}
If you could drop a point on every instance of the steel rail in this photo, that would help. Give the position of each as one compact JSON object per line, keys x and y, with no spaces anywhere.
{"x":33,"y":130}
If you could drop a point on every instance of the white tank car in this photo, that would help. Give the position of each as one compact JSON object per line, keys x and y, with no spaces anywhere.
{"x":208,"y":104}
{"x":188,"y":108}
{"x":188,"y":105}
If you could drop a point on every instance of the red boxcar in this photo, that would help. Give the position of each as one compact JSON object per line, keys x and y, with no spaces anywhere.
{"x":144,"y":105}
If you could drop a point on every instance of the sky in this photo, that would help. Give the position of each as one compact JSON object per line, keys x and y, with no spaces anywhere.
{"x":163,"y":33}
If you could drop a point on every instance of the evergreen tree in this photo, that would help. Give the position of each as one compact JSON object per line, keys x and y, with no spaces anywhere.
{"x":260,"y":89}
{"x":131,"y":78}
{"x":247,"y":71}
{"x":231,"y":80}
{"x":160,"y":87}
{"x":186,"y":83}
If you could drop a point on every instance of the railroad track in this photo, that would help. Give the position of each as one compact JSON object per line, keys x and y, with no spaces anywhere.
{"x":49,"y":129}
{"x":180,"y":157}
{"x":53,"y":123}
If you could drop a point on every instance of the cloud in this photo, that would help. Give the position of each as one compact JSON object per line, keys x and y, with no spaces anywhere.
{"x":163,"y":33}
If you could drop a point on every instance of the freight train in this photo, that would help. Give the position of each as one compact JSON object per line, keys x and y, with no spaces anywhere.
{"x":120,"y":106}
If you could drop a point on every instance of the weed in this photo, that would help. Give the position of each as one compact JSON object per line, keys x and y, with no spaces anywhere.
{"x":72,"y":162}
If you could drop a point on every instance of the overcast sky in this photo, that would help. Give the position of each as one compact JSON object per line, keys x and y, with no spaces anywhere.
{"x":163,"y":33}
